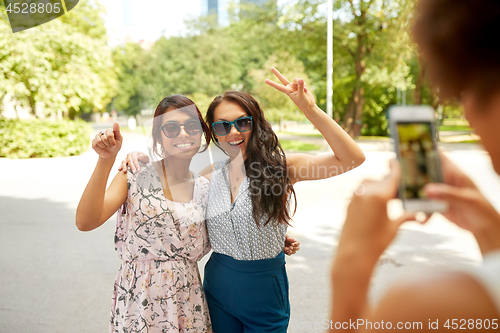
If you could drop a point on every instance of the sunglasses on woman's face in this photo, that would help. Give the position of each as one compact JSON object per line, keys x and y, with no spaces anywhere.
{"x":172,"y":129}
{"x":223,"y":127}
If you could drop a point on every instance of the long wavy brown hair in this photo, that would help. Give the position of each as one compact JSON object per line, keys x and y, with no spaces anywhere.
{"x":265,"y":165}
{"x":181,"y":103}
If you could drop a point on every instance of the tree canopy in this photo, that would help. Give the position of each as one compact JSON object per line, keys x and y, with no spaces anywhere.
{"x":67,"y":65}
{"x":62,"y":65}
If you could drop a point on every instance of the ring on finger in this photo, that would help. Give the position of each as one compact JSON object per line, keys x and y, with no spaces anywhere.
{"x":101,"y":133}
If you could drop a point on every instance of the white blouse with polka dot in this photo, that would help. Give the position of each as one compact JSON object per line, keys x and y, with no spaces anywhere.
{"x":231,"y":228}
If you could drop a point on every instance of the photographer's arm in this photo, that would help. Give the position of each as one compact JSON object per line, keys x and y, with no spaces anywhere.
{"x":367,"y":232}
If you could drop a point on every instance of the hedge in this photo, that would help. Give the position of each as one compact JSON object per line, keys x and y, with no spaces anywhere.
{"x":43,"y":138}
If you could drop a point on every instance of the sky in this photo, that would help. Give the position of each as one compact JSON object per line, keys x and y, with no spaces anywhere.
{"x":148,"y":19}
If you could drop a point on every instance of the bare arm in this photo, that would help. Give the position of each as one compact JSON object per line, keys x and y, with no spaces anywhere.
{"x":366,"y":234}
{"x":97,"y":204}
{"x":451,"y":298}
{"x":346,"y":153}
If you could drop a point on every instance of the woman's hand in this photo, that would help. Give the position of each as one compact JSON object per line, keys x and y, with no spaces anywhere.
{"x":467,"y":207}
{"x":368,"y":230}
{"x":291,"y":245}
{"x":296,"y":90}
{"x":133,"y":159}
{"x":108,"y":143}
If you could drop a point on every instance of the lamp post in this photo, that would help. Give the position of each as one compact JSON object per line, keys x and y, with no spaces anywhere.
{"x":329,"y":61}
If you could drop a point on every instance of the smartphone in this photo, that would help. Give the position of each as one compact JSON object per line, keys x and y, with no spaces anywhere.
{"x":413,"y":129}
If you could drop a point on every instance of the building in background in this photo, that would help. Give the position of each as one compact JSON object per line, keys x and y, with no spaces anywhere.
{"x":257,"y":2}
{"x":218,"y":8}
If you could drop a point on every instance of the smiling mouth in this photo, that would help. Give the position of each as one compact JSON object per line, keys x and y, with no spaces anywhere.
{"x":184,"y":145}
{"x":236,"y":142}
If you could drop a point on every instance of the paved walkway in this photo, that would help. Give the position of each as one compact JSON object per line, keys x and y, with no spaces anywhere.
{"x":57,"y":279}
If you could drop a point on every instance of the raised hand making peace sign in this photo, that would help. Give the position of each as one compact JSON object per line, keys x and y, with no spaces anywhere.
{"x":296,"y":90}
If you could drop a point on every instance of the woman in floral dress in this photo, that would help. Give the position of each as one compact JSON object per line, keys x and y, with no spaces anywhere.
{"x":160,"y":232}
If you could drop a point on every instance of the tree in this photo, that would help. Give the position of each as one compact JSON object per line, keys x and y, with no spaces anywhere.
{"x":212,"y":59}
{"x":303,"y":33}
{"x":131,"y":94}
{"x":206,"y":64}
{"x":373,"y":39}
{"x":57,"y":66}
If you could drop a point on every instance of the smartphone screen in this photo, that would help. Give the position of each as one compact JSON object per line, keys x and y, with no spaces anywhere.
{"x":418,"y":157}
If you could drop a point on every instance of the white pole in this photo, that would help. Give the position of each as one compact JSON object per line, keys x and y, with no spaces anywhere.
{"x":329,"y":61}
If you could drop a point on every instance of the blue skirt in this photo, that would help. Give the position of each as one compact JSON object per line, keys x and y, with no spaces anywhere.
{"x":248,"y":296}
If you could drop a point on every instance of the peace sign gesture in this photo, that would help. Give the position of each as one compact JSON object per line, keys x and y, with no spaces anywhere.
{"x":296,"y":90}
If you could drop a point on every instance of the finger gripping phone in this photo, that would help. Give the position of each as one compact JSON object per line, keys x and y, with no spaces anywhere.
{"x":413,"y":129}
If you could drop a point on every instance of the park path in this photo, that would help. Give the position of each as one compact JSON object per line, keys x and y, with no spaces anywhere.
{"x":55,"y":278}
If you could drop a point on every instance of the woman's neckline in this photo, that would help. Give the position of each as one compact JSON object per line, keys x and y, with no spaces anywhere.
{"x":163,"y":192}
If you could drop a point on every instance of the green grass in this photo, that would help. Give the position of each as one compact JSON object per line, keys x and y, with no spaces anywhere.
{"x":298,"y":145}
{"x":469,"y":141}
{"x":317,"y":135}
{"x":381,"y":138}
{"x":311,"y":135}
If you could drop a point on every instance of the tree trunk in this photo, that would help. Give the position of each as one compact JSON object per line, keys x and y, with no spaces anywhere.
{"x":358,"y":117}
{"x":31,"y":100}
{"x":354,"y":115}
{"x":32,"y":103}
{"x":417,"y":97}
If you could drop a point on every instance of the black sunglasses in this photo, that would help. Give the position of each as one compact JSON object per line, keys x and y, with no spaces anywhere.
{"x":223,"y":127}
{"x":172,"y":129}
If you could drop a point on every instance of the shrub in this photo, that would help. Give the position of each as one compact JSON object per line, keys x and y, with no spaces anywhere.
{"x":43,"y":138}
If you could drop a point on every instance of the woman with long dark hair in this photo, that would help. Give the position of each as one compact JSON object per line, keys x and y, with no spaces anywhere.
{"x":160,"y":230}
{"x":250,"y":205}
{"x":251,"y":201}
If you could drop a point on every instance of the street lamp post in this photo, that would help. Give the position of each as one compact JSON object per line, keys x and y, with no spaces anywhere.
{"x":329,"y":61}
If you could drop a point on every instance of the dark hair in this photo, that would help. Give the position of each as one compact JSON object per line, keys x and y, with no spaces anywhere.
{"x":459,"y":43}
{"x":181,"y":103}
{"x":265,"y":163}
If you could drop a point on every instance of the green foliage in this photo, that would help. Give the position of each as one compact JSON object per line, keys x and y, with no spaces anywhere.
{"x":202,"y":101}
{"x":131,"y":91}
{"x":43,"y":138}
{"x":298,"y":145}
{"x":303,"y":26}
{"x":212,"y":59}
{"x":455,"y":128}
{"x":276,"y":105}
{"x":64,"y":64}
{"x":371,"y":46}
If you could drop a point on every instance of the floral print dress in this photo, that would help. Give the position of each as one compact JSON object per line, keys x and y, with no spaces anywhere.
{"x":158,"y":287}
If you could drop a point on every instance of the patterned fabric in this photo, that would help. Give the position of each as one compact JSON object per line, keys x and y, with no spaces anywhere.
{"x":231,"y":227}
{"x":158,"y":287}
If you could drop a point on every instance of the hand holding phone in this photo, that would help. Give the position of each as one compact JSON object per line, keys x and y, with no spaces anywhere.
{"x":413,"y":129}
